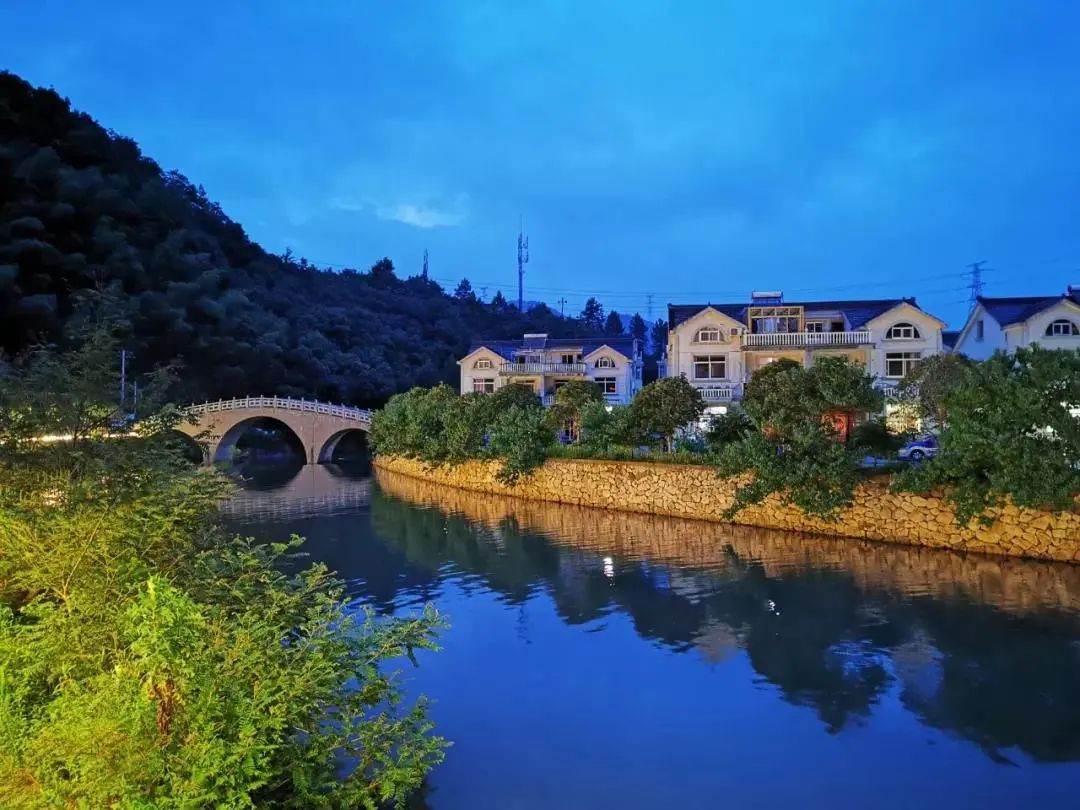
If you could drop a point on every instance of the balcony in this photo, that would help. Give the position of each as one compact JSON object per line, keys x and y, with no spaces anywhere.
{"x":534,"y":368}
{"x":805,"y":340}
{"x":722,"y":392}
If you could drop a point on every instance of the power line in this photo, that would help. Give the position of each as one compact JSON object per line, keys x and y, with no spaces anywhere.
{"x":976,"y":280}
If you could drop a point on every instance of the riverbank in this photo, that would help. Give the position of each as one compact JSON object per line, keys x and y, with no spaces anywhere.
{"x":695,"y":492}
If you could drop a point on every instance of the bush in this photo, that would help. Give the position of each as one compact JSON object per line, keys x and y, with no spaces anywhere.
{"x":661,"y":408}
{"x":604,"y":426}
{"x":875,"y":439}
{"x":522,"y":438}
{"x":727,"y":428}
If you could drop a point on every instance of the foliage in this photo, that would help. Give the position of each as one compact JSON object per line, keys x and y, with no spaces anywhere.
{"x":727,"y":428}
{"x":514,"y":395}
{"x":663,"y":407}
{"x":593,"y":314}
{"x":522,"y":438}
{"x":613,"y":326}
{"x":874,"y":438}
{"x":927,"y":386}
{"x":149,"y":660}
{"x":1009,"y":435}
{"x":82,"y":208}
{"x":571,"y":398}
{"x":604,"y":427}
{"x":795,"y":451}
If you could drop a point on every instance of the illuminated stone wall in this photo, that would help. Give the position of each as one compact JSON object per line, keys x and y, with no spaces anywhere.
{"x":696,"y":492}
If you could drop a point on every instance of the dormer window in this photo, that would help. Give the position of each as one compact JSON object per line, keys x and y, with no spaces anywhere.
{"x":483,"y":362}
{"x":1062,"y":328}
{"x":605,"y":362}
{"x":902,"y":331}
{"x":708,"y":334}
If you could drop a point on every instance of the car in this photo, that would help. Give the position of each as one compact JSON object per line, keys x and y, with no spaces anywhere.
{"x":918,"y":449}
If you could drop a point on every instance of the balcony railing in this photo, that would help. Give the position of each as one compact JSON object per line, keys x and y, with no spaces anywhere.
{"x":509,"y":369}
{"x":775,"y":340}
{"x":720,"y":393}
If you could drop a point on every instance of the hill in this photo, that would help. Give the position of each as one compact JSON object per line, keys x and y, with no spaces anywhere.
{"x":81,"y":208}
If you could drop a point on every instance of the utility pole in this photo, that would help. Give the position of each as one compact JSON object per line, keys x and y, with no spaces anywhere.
{"x":562,"y":307}
{"x":123,"y":379}
{"x":523,"y":259}
{"x":424,"y":272}
{"x":976,"y":285}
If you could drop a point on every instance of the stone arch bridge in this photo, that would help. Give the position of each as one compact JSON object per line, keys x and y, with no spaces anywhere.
{"x":319,"y":426}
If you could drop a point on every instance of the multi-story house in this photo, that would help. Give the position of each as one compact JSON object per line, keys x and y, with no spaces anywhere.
{"x":717,"y":347}
{"x":1052,"y":321}
{"x":546,"y":363}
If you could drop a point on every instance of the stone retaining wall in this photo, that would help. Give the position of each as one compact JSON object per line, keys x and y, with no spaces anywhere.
{"x":696,"y":492}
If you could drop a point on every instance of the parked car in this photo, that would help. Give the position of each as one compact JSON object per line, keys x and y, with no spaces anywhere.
{"x":919,"y":449}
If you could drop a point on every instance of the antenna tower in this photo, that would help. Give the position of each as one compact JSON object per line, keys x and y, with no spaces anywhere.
{"x":424,"y":272}
{"x":523,"y":259}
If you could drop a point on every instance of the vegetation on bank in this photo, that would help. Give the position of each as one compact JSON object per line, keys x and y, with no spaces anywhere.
{"x":1007,"y":429}
{"x":81,"y":208}
{"x":149,"y":659}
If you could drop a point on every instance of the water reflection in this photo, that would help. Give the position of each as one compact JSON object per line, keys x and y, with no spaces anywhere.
{"x":986,"y":650}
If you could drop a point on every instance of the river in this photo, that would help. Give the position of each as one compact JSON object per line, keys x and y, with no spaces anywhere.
{"x":600,"y":659}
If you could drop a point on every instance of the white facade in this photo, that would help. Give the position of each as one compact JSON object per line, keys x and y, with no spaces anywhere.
{"x":543,"y":367}
{"x":1050,"y":323}
{"x":718,"y":352}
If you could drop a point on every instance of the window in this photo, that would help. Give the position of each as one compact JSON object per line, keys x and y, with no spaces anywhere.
{"x":483,"y":385}
{"x":815,"y":326}
{"x":605,"y":362}
{"x":897,"y":364}
{"x":734,"y":331}
{"x":708,"y":334}
{"x":570,"y":358}
{"x":1062,"y":328}
{"x":710,"y":367}
{"x":607,"y":384}
{"x":483,"y":362}
{"x":980,"y":329}
{"x":902,"y":331}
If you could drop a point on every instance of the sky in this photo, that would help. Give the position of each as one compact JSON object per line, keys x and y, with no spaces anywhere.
{"x":657,"y":152}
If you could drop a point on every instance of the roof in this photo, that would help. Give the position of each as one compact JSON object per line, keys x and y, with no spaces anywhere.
{"x":949,"y":338}
{"x":1007,"y":311}
{"x":856,"y":312}
{"x":508,"y":348}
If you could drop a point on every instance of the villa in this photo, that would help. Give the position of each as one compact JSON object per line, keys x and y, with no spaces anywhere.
{"x":545,"y":364}
{"x":718,"y":346}
{"x":1052,"y":321}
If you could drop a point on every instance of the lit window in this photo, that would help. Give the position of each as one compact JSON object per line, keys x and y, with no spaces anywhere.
{"x":483,"y":362}
{"x":1062,"y":328}
{"x":607,"y":384}
{"x":605,"y":362}
{"x":710,"y":367}
{"x":483,"y":385}
{"x":902,"y":331}
{"x":898,"y":364}
{"x":708,"y":334}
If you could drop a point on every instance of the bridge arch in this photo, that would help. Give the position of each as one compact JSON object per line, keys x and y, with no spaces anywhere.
{"x":318,"y":426}
{"x":330,"y":446}
{"x":227,"y":444}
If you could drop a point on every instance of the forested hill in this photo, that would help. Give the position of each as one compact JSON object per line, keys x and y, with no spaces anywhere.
{"x":82,"y":208}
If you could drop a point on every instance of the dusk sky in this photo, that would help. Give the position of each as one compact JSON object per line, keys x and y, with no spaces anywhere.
{"x":694,"y":151}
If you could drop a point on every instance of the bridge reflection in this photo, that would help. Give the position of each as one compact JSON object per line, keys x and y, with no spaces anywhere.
{"x":287,"y":492}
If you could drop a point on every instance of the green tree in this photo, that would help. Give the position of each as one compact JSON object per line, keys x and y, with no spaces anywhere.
{"x":663,"y":407}
{"x":658,"y":337}
{"x":639,"y":330}
{"x":499,"y":302}
{"x":511,"y":395}
{"x":613,"y":325}
{"x":570,"y":399}
{"x":727,"y":428}
{"x":150,"y":659}
{"x":604,"y":426}
{"x":593,"y":314}
{"x":464,"y":291}
{"x":926,"y":388}
{"x":522,"y":438}
{"x":1011,"y":434}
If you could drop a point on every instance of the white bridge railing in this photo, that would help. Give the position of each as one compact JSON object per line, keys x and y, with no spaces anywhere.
{"x":283,"y":404}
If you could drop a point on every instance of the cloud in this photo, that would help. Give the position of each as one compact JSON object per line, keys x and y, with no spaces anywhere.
{"x":426,"y":214}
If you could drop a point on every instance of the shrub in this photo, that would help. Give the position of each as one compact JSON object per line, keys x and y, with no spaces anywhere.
{"x":522,"y":438}
{"x":874,"y":438}
{"x":727,"y":428}
{"x":661,"y":408}
{"x":570,"y":400}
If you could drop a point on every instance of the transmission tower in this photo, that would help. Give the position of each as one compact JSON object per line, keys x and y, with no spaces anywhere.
{"x":976,"y":284}
{"x":523,"y":259}
{"x":424,"y":272}
{"x":648,"y":306}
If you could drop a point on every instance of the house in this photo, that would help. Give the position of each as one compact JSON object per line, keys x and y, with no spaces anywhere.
{"x":717,"y":347}
{"x":1052,"y":321}
{"x":545,"y":363}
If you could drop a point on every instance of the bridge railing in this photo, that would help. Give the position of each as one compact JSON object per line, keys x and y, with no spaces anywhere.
{"x":282,"y":403}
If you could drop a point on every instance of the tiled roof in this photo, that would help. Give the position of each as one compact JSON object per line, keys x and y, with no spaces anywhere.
{"x":856,"y":312}
{"x":949,"y":338}
{"x":1019,"y":308}
{"x":508,"y":348}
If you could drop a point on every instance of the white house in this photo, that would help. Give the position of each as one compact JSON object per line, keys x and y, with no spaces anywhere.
{"x":1051,"y":321}
{"x":545,"y":363}
{"x":718,"y":346}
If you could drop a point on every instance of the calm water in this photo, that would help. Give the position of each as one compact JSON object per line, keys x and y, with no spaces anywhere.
{"x":599,"y":660}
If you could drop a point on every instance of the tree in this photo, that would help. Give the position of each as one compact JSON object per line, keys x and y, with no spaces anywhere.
{"x":570,"y":399}
{"x":604,"y":426}
{"x":663,"y":407}
{"x":513,"y":395}
{"x":382,"y":272}
{"x":726,"y":429}
{"x":639,"y":330}
{"x":613,"y":325}
{"x":499,"y":302}
{"x":593,"y":314}
{"x":522,"y":438}
{"x":658,"y":337}
{"x":464,"y":291}
{"x":926,"y":388}
{"x":1011,"y":435}
{"x":151,"y":658}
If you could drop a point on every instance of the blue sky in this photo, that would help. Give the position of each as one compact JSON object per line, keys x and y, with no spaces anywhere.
{"x":691,"y":150}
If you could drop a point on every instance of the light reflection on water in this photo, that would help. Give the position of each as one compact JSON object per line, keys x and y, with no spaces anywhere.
{"x":609,"y":659}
